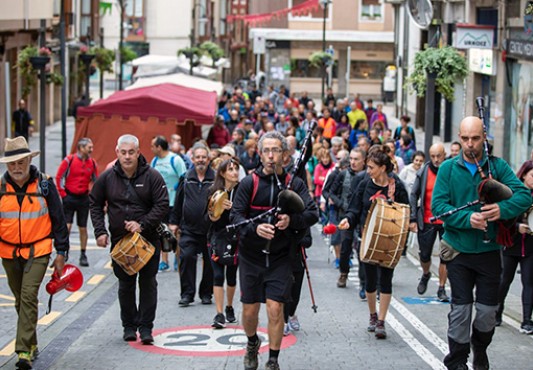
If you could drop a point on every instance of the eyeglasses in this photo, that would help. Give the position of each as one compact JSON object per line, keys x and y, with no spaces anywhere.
{"x":271,"y":150}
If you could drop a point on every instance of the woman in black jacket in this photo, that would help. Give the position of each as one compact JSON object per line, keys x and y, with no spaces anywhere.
{"x":520,"y":252}
{"x":380,"y":183}
{"x":223,"y":244}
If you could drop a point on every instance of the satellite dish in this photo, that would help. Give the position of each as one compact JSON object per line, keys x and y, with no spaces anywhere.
{"x":421,"y":12}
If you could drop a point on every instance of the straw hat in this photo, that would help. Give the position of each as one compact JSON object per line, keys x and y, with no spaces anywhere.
{"x":16,"y":149}
{"x":227,"y":150}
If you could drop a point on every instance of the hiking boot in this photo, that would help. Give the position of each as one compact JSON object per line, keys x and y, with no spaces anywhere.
{"x":24,"y":362}
{"x":423,"y":284}
{"x":380,"y":330}
{"x":146,"y":336}
{"x":83,"y":260}
{"x":219,"y":322}
{"x":230,"y":314}
{"x":272,"y":365}
{"x":294,"y":324}
{"x":286,"y":330}
{"x":163,"y":266}
{"x":441,"y":295}
{"x":526,"y":327}
{"x":34,"y":352}
{"x":250,"y":358}
{"x":130,"y":334}
{"x":372,"y":323}
{"x":480,"y":361}
{"x":341,"y":283}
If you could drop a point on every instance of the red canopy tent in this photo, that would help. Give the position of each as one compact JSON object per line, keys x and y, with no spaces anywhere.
{"x":163,"y":109}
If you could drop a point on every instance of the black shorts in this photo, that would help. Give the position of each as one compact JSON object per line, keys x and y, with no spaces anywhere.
{"x":259,"y":283}
{"x":78,"y":204}
{"x":426,"y":240}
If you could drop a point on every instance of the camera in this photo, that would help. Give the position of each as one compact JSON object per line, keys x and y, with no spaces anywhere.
{"x":169,"y":243}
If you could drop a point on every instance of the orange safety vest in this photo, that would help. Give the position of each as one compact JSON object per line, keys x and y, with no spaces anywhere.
{"x":25,"y":230}
{"x":329,"y":126}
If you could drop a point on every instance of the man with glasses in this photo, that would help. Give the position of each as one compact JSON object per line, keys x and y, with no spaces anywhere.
{"x":267,"y":246}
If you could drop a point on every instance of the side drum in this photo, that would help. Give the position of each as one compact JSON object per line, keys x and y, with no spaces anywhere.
{"x":385,"y":233}
{"x":132,"y":253}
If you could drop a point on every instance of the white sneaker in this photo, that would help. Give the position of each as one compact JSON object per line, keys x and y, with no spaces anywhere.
{"x":286,"y":330}
{"x":294,"y":323}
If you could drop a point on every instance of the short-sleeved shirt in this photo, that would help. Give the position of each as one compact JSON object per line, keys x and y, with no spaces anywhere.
{"x":171,"y":168}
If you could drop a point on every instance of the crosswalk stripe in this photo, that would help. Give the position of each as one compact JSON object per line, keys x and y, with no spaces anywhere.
{"x":418,"y":347}
{"x":47,"y":319}
{"x":9,"y":349}
{"x":8,"y":297}
{"x":75,"y":297}
{"x":96,"y":279}
{"x":108,"y":265}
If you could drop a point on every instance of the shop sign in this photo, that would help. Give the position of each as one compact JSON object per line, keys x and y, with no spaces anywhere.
{"x":474,"y":37}
{"x":519,"y":49}
{"x":481,"y":61}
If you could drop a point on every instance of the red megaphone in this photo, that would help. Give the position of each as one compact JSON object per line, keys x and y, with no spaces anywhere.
{"x":71,"y":280}
{"x":330,"y":229}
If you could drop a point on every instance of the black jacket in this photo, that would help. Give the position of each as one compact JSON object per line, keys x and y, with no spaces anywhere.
{"x":148,"y":205}
{"x":191,"y":202}
{"x":250,"y":244}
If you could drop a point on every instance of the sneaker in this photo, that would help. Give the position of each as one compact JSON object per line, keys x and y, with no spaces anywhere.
{"x":206,"y":300}
{"x":184,"y":302}
{"x":146,"y":336}
{"x":34,"y":352}
{"x":219,"y":322}
{"x":341,"y":283}
{"x":272,"y":365}
{"x":423,"y":284}
{"x":337,"y":263}
{"x":286,"y":330}
{"x":441,"y":294}
{"x":24,"y":362}
{"x":230,"y":314}
{"x":362,"y":294}
{"x":350,"y":263}
{"x":372,"y":323}
{"x":526,"y":327}
{"x":380,"y":330}
{"x":83,"y":260}
{"x":163,"y":266}
{"x":250,"y":358}
{"x":294,"y":323}
{"x":130,"y":334}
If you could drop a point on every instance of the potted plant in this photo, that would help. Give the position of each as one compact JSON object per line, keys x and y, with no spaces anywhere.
{"x":104,"y":59}
{"x":214,"y":51}
{"x":193,"y":54}
{"x":29,"y":61}
{"x":320,"y":59}
{"x":446,"y":63}
{"x":86,"y":55}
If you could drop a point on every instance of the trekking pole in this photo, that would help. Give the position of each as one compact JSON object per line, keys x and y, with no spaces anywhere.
{"x":314,"y":306}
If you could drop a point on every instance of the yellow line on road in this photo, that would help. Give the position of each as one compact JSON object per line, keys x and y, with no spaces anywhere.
{"x":77,"y":248}
{"x":9,"y":349}
{"x":75,"y":297}
{"x":108,"y":265}
{"x":7,"y":304}
{"x":8,"y":297}
{"x":96,"y":279}
{"x":47,"y":319}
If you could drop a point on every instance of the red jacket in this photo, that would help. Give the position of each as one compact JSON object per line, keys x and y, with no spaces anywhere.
{"x":218,"y":135}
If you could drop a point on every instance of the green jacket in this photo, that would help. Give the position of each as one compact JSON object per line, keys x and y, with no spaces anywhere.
{"x":455,"y":187}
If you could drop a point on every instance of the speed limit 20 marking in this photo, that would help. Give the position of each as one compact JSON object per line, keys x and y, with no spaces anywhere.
{"x":205,"y":341}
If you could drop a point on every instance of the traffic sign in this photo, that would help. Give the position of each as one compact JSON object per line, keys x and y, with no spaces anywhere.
{"x":206,"y":341}
{"x":259,"y":44}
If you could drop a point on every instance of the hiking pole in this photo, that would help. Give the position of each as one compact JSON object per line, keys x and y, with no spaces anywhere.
{"x":314,"y":306}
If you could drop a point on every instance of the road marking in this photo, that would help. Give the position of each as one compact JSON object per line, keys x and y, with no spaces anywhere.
{"x":418,"y":347}
{"x":9,"y":349}
{"x":8,"y":297}
{"x":108,"y":265}
{"x":75,"y":297}
{"x":96,"y":279}
{"x":77,"y":248}
{"x":47,"y":319}
{"x":420,"y":326}
{"x":7,"y":304}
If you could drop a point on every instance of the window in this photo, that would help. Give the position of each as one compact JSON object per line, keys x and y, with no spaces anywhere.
{"x":371,"y":10}
{"x":302,"y":68}
{"x":223,"y":15}
{"x":316,"y":15}
{"x":85,"y":17}
{"x":134,"y":10}
{"x":372,"y":70}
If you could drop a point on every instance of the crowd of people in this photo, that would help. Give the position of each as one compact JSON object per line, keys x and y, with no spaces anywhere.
{"x":246,"y":197}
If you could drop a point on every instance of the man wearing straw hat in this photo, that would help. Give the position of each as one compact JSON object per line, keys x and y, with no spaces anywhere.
{"x":31,"y":216}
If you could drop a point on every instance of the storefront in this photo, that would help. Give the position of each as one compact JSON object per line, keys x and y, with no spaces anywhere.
{"x":519,"y":112}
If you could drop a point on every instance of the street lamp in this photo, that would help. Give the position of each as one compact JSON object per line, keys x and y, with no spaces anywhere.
{"x":324,"y":4}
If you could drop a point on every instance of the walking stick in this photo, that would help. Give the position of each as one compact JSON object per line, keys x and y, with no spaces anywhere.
{"x":314,"y":306}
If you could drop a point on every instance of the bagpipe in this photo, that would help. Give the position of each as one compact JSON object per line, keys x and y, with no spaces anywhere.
{"x":489,"y":190}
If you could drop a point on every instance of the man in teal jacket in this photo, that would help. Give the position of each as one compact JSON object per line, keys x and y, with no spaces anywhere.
{"x":477,"y":263}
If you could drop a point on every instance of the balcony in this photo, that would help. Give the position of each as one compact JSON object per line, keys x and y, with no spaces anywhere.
{"x":31,"y":10}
